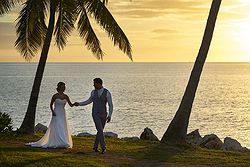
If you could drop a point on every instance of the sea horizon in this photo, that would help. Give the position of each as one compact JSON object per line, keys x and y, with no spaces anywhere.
{"x":241,"y":62}
{"x":144,"y":94}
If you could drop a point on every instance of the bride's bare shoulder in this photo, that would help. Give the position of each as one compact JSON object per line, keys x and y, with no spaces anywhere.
{"x":55,"y":96}
{"x":66,"y":96}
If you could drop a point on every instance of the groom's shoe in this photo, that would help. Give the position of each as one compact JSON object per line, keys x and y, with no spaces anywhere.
{"x":96,"y":149}
{"x":103,"y":151}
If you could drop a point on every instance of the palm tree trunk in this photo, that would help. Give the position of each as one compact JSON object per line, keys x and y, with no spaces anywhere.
{"x":28,"y":123}
{"x":177,"y":130}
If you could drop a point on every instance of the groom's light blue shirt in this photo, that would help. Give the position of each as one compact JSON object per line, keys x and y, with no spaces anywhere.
{"x":100,"y":91}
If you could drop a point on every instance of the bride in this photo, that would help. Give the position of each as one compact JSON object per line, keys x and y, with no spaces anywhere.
{"x":58,"y":134}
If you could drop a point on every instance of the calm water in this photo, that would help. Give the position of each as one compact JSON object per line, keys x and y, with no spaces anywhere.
{"x":144,"y":95}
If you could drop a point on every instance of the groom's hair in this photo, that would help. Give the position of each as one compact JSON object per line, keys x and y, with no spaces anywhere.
{"x":98,"y":80}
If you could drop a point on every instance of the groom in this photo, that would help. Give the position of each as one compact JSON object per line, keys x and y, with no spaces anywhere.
{"x":100,"y":97}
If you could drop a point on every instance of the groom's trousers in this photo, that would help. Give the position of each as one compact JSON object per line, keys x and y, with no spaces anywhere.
{"x":100,"y":121}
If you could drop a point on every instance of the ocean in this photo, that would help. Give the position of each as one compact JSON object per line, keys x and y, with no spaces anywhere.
{"x":144,"y":95}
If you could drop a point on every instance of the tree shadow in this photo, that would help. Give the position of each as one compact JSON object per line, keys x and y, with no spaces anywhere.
{"x":160,"y":153}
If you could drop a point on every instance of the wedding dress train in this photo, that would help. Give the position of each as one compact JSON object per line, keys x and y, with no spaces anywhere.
{"x":58,"y":134}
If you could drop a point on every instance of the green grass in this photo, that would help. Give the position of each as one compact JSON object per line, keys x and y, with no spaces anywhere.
{"x":120,"y":152}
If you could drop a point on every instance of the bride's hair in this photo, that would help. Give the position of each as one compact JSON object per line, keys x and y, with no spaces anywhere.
{"x":59,"y":85}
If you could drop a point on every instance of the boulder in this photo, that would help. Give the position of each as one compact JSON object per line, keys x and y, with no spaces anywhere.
{"x":40,"y":128}
{"x":211,"y":142}
{"x":110,"y":134}
{"x":148,"y":134}
{"x":194,"y":137}
{"x":84,"y":134}
{"x":232,"y":145}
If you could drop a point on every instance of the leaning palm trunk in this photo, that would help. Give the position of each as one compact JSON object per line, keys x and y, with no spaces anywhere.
{"x":29,"y":119}
{"x":33,"y":33}
{"x":177,"y":130}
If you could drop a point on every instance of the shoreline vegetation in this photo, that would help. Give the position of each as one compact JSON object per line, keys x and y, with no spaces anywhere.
{"x":120,"y":152}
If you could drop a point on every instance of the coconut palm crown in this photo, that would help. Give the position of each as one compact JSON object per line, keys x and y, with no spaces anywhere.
{"x":39,"y":20}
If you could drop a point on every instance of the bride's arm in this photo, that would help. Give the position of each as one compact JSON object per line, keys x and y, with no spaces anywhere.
{"x":69,"y":102}
{"x":51,"y":105}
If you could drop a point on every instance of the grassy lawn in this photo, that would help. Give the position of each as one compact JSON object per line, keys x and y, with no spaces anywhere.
{"x":120,"y":152}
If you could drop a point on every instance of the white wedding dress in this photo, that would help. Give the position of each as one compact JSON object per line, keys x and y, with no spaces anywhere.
{"x":58,"y":134}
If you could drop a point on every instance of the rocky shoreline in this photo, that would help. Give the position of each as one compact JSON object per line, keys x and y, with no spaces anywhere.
{"x":210,"y":141}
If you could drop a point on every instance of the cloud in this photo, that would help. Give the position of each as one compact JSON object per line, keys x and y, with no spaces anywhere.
{"x":7,"y":28}
{"x":191,"y":9}
{"x":7,"y":35}
{"x":155,"y":8}
{"x":140,"y":13}
{"x":164,"y":31}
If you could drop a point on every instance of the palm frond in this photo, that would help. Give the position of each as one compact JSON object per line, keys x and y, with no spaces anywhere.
{"x":31,"y":28}
{"x":7,"y":5}
{"x":105,"y":2}
{"x":65,"y":22}
{"x":87,"y":33}
{"x":103,"y":17}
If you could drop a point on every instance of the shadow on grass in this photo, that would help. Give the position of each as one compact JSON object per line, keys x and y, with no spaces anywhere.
{"x":27,"y":162}
{"x":188,"y":155}
{"x":27,"y":156}
{"x":161,"y":154}
{"x":165,"y":152}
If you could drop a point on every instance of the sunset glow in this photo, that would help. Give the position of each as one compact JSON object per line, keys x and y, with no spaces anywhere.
{"x":158,"y":30}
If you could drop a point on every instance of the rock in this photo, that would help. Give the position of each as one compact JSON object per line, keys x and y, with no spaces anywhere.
{"x":233,"y":145}
{"x":211,"y":142}
{"x":148,"y":134}
{"x":194,"y":137}
{"x":84,"y":134}
{"x":131,"y":138}
{"x":110,"y":134}
{"x":40,"y":128}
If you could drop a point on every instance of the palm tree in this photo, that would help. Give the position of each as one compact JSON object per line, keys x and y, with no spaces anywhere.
{"x":177,"y":130}
{"x":33,"y":34}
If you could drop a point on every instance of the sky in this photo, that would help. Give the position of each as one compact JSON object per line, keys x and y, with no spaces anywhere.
{"x":158,"y":30}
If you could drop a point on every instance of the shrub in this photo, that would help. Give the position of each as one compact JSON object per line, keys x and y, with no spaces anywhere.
{"x":5,"y":123}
